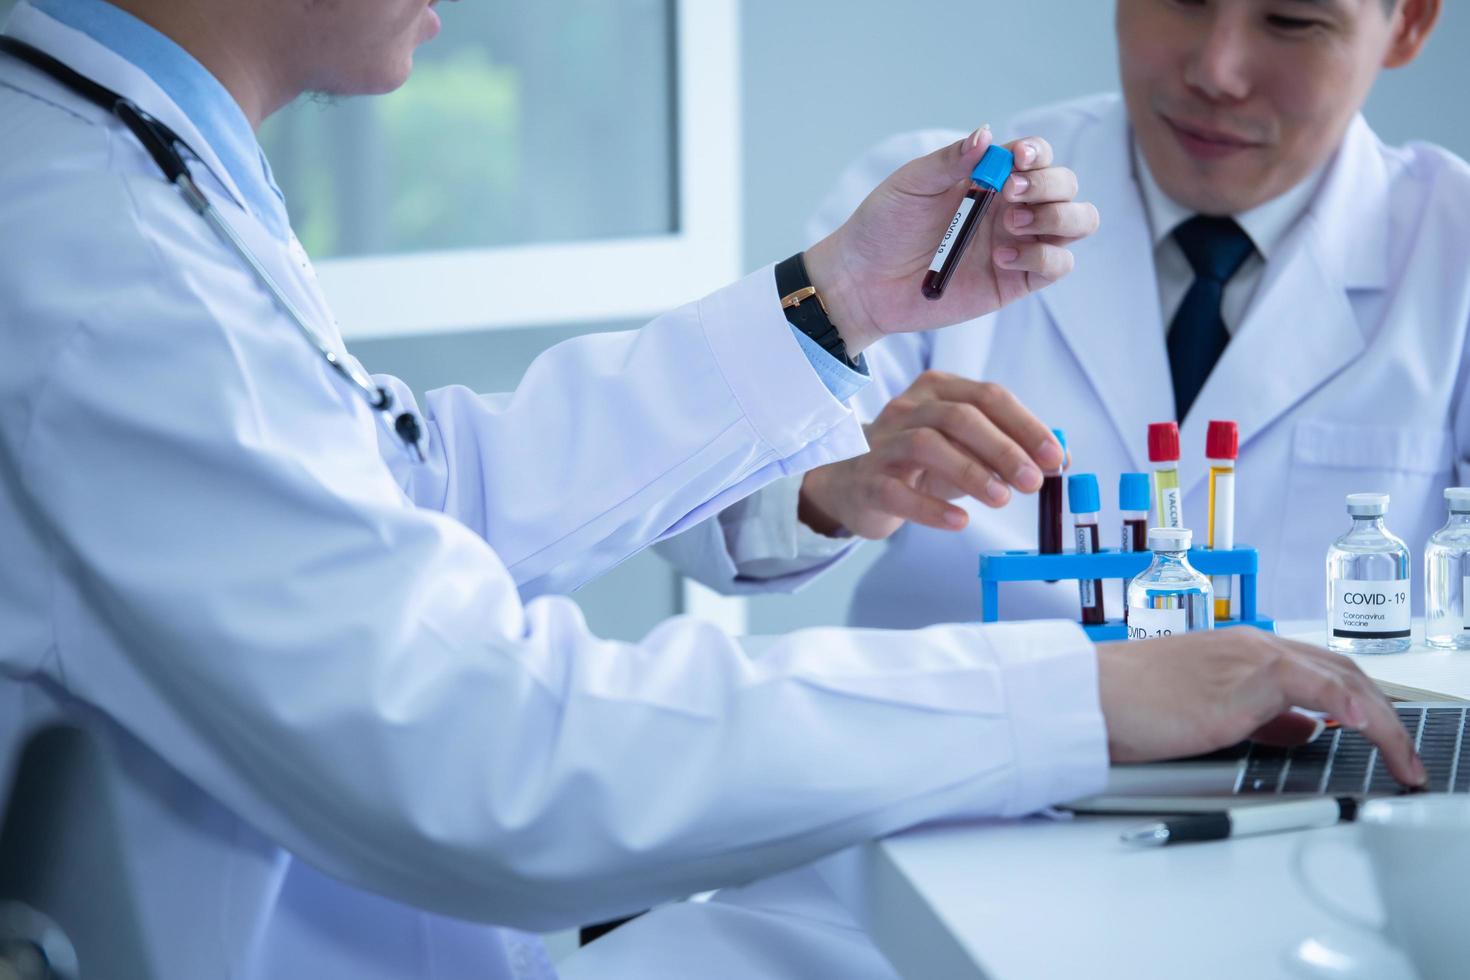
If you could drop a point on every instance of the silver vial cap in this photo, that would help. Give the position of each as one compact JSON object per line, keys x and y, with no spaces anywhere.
{"x":1367,"y":504}
{"x":1169,"y":538}
{"x":1458,"y":498}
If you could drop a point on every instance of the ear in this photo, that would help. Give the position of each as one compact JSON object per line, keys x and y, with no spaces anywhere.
{"x":1412,"y":24}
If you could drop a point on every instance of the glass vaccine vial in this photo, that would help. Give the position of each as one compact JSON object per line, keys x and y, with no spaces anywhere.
{"x":1133,"y":502}
{"x":1446,"y":575}
{"x":1368,"y":583}
{"x":1169,"y":597}
{"x":1085,"y":500}
{"x":986,"y":180}
{"x":1222,"y":447}
{"x":1163,"y":453}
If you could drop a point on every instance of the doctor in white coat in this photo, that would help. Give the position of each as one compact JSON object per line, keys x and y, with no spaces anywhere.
{"x":355,"y":732}
{"x":1345,"y":365}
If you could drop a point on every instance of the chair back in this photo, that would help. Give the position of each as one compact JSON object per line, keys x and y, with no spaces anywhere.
{"x":64,"y":886}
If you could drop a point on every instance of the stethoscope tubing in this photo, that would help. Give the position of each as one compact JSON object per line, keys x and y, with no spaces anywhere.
{"x":161,"y":143}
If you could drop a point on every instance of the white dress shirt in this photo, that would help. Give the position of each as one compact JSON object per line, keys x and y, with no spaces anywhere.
{"x":1266,"y":225}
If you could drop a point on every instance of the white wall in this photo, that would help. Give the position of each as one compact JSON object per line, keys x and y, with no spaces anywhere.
{"x":825,"y":79}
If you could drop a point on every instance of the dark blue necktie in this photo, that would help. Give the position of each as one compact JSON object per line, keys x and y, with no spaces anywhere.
{"x":1216,"y":248}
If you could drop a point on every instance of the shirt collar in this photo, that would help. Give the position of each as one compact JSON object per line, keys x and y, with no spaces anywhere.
{"x":197,"y":93}
{"x":1266,"y":224}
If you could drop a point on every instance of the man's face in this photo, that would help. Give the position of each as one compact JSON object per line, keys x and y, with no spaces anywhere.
{"x":360,"y":47}
{"x":1234,"y":102}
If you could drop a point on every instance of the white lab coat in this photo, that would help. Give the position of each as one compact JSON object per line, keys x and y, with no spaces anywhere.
{"x":1347,"y":374}
{"x":345,"y":736}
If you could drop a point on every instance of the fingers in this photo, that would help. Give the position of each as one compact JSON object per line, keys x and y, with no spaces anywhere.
{"x":1041,"y":260}
{"x":1031,"y":153}
{"x":1346,"y":693}
{"x":940,"y":171}
{"x":1040,"y":186}
{"x":993,"y":427}
{"x":1069,"y":220}
{"x":896,"y":498}
{"x":931,"y":451}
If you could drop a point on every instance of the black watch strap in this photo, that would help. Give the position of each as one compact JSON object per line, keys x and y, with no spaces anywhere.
{"x":805,"y":310}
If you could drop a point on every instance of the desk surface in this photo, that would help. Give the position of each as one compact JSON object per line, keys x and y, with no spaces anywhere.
{"x":1038,"y":898}
{"x":1445,"y":671}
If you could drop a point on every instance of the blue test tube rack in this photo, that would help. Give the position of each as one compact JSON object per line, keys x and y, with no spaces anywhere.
{"x":1029,"y":566}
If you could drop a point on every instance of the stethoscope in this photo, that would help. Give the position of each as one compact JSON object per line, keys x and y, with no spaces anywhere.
{"x":161,"y":142}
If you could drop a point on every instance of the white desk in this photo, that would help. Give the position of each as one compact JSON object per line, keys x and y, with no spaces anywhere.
{"x":1445,"y":671}
{"x":1039,"y":899}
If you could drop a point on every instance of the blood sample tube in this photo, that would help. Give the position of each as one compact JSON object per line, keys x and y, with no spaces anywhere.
{"x":1049,"y":513}
{"x":1083,"y":496}
{"x":986,"y":181}
{"x":1163,"y":453}
{"x":1133,"y":502}
{"x":1222,"y":446}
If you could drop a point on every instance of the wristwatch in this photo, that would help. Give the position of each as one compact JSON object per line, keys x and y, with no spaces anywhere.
{"x":806,"y":311}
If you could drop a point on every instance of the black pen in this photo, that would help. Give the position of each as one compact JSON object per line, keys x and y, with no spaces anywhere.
{"x":1243,"y":821}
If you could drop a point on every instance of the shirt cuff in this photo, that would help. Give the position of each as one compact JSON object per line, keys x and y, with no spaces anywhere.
{"x":765,"y":540}
{"x":840,"y":379}
{"x":780,"y":394}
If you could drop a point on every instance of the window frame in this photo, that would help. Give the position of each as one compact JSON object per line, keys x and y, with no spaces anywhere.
{"x":606,"y":280}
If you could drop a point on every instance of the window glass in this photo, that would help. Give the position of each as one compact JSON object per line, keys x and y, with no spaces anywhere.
{"x":522,"y":123}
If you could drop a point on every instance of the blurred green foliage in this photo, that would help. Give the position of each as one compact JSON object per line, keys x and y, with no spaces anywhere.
{"x":443,"y":151}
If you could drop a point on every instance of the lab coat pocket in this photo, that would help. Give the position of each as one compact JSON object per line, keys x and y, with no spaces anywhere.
{"x":1332,"y":459}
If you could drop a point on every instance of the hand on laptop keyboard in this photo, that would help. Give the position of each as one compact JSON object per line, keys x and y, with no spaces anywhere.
{"x":1185,"y":695}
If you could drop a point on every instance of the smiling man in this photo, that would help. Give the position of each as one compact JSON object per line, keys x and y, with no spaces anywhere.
{"x":1263,"y":257}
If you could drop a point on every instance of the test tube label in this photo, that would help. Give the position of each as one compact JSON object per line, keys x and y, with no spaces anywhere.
{"x":954,"y":229}
{"x":1370,"y":609}
{"x":1171,"y":512}
{"x":1086,"y":586}
{"x":1222,"y":515}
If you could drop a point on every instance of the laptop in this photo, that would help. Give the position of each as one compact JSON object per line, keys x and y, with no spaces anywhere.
{"x":1339,"y":763}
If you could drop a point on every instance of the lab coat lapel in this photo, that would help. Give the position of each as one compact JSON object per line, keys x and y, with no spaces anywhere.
{"x":82,"y":54}
{"x":287,"y":265}
{"x":1107,"y":310}
{"x":1300,"y":329}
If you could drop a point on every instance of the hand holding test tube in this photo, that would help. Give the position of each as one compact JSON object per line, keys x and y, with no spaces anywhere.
{"x":944,"y":438}
{"x":870,"y":271}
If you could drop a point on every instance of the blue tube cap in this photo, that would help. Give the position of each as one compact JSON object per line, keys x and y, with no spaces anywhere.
{"x":994,"y":167}
{"x":1133,"y":491}
{"x":1082,"y":494}
{"x":1061,"y":438}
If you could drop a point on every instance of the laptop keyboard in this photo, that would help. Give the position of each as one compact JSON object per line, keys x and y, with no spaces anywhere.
{"x":1344,"y":763}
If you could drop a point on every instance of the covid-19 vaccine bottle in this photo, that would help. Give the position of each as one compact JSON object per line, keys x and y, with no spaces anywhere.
{"x":1446,"y":574}
{"x":1169,"y":597}
{"x":1368,"y":599}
